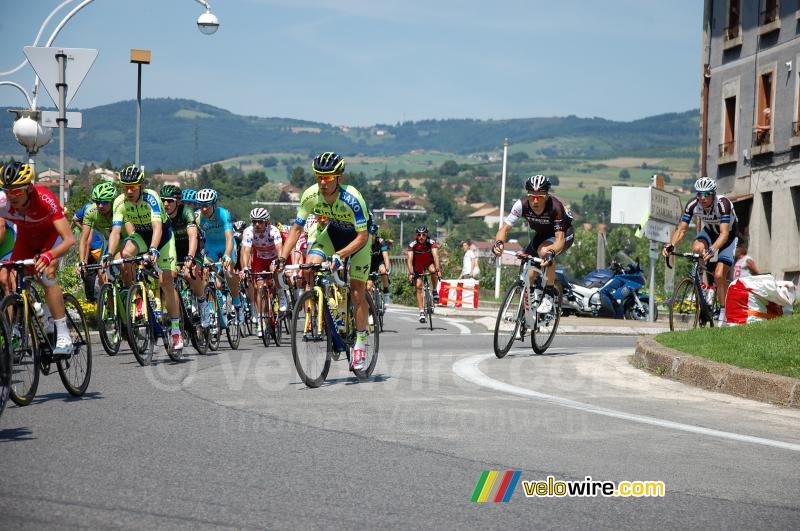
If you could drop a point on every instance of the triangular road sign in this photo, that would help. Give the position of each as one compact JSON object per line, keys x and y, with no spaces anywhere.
{"x":44,"y":63}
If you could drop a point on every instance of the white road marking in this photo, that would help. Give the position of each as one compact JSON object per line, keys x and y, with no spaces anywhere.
{"x":468,"y":369}
{"x":462,"y":329}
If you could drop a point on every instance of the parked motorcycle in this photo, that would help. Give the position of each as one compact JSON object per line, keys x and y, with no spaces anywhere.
{"x":612,"y":292}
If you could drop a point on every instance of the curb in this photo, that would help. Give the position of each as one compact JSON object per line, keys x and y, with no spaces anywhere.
{"x":711,"y":375}
{"x":599,"y":330}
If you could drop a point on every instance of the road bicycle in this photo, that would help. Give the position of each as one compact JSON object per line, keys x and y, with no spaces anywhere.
{"x":693,"y":302}
{"x":249,"y":318}
{"x":32,"y":337}
{"x":269,"y":315}
{"x":223,"y":313}
{"x":518,"y":312}
{"x":324,"y":329}
{"x":427,"y":295}
{"x":5,"y":363}
{"x":112,"y":319}
{"x":377,"y":297}
{"x":190,"y":308}
{"x":147,"y":313}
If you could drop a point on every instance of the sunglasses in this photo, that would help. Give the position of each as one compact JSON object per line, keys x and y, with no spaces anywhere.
{"x":130,"y":186}
{"x":169,"y":200}
{"x":15,"y":192}
{"x":537,"y":196}
{"x":705,"y":194}
{"x":102,"y":203}
{"x":258,"y":221}
{"x":326,"y":178}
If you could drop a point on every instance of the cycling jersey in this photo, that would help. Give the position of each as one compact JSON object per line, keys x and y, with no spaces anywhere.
{"x":262,"y":244}
{"x":721,"y":212}
{"x":88,"y":215}
{"x":214,"y":230}
{"x":184,"y":218}
{"x":35,"y":230}
{"x":377,"y":249}
{"x":423,"y":253}
{"x":142,"y":214}
{"x":554,"y":218}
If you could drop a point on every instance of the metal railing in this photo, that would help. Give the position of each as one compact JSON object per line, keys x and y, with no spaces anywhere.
{"x":762,"y":137}
{"x":768,"y":16}
{"x":732,"y":32}
{"x":726,"y":149}
{"x":795,"y":128}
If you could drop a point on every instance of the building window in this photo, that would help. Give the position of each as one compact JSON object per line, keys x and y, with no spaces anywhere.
{"x":762,"y":131}
{"x":733,"y":29}
{"x":728,"y":146}
{"x":766,"y":199}
{"x":795,"y":191}
{"x":792,"y":276}
{"x":770,"y":12}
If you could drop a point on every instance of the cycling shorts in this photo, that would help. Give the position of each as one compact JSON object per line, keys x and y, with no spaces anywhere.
{"x":359,"y":261}
{"x":726,"y":254}
{"x":166,"y":261}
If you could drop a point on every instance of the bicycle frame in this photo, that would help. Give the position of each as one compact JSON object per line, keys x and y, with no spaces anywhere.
{"x":706,"y":314}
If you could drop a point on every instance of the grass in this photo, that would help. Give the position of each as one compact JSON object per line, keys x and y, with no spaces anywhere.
{"x":769,"y":346}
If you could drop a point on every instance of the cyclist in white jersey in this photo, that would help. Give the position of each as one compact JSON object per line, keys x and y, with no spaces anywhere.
{"x":261,"y":244}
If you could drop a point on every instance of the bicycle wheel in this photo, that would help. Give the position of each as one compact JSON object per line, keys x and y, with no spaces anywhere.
{"x":277,"y":322}
{"x":311,"y":344}
{"x":429,"y":305}
{"x":232,"y":330}
{"x":546,"y":325}
{"x":508,"y":321}
{"x":109,"y":323}
{"x":265,"y":315}
{"x":166,"y":326}
{"x":76,"y":371}
{"x":141,"y":335}
{"x":24,"y":352}
{"x":247,"y":329}
{"x":5,"y":363}
{"x":372,"y":343}
{"x":213,"y":332}
{"x":684,"y":309}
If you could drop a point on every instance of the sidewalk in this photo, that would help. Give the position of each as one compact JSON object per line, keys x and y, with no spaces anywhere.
{"x":567,"y":325}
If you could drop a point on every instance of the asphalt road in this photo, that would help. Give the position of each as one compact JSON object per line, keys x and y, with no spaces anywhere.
{"x":236,"y":440}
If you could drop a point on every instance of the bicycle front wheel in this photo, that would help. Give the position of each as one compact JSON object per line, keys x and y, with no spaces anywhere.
{"x":684,"y":309}
{"x":372,"y":343}
{"x":311,"y":340}
{"x":109,"y":324}
{"x":507,"y":325}
{"x":76,"y":371}
{"x":141,"y":335}
{"x":544,"y":331}
{"x":213,"y":331}
{"x":265,"y":315}
{"x":429,"y":306}
{"x":5,"y":363}
{"x":24,"y":352}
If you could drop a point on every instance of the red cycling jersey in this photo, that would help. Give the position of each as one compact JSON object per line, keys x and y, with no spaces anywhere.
{"x":423,"y":254}
{"x":35,"y":230}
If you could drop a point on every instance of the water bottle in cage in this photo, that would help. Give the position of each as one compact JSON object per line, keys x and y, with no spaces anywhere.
{"x":711,"y":293}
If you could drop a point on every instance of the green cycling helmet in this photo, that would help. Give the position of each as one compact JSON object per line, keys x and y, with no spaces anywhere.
{"x":170,"y":191}
{"x":105,"y":191}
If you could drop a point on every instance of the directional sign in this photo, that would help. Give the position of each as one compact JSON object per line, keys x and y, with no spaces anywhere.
{"x":665,"y":206}
{"x":629,"y":204}
{"x":44,"y":63}
{"x":74,"y":119}
{"x":656,"y":231}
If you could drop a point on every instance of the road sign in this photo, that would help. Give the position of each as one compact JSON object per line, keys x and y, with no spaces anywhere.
{"x":665,"y":206}
{"x":629,"y":204}
{"x":74,"y":119}
{"x":657,"y":231}
{"x":44,"y":63}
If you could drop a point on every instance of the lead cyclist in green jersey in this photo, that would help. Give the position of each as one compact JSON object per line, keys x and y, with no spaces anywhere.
{"x":345,"y":236}
{"x":142,"y":212}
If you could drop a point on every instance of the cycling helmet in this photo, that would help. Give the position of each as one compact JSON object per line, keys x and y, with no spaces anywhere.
{"x":170,"y":191}
{"x":131,"y":175}
{"x":207,"y":196}
{"x":422,"y":229}
{"x":259,"y":214}
{"x":705,"y":184}
{"x":239,"y":226}
{"x":538,"y":183}
{"x":372,"y":228}
{"x":189,"y":196}
{"x":16,"y":175}
{"x":104,"y":191}
{"x":328,"y":163}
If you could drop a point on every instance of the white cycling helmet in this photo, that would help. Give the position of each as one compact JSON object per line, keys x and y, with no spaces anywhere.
{"x":207,"y":196}
{"x":259,"y":214}
{"x":311,"y":220}
{"x":705,"y":184}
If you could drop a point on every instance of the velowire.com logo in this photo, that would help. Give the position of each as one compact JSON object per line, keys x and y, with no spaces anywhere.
{"x":495,"y":486}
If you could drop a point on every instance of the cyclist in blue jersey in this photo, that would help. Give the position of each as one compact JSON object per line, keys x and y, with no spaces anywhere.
{"x":217,"y":225}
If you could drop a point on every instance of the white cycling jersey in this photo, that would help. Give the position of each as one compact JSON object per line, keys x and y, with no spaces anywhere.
{"x":263,"y":244}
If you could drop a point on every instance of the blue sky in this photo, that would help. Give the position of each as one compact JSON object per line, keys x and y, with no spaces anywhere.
{"x":360,"y":62}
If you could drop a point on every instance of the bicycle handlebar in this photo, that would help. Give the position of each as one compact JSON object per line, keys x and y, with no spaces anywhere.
{"x":524,"y":256}
{"x":692,"y":256}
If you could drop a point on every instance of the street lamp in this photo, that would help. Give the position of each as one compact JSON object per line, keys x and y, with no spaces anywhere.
{"x":208,"y":23}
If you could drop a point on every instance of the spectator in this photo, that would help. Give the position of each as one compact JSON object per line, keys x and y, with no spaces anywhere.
{"x":762,"y":130}
{"x":744,"y":266}
{"x":470,"y":268}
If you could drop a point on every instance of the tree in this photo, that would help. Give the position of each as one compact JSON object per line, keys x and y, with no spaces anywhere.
{"x":298,"y":178}
{"x":406,"y":187}
{"x":518,"y":157}
{"x":624,"y":174}
{"x":269,"y":192}
{"x":449,"y":168}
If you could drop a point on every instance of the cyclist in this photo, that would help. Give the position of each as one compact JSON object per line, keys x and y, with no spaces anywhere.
{"x":149,"y":228}
{"x":189,"y":199}
{"x":8,"y":235}
{"x":552,"y":222}
{"x":717,"y":233}
{"x":95,"y":218}
{"x":261,"y":244}
{"x":345,"y":236}
{"x":43,"y":234}
{"x":423,"y":256}
{"x":184,"y":230}
{"x":380,"y":261}
{"x":215,"y":222}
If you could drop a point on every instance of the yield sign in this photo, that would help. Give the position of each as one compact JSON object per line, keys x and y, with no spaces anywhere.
{"x":44,"y":63}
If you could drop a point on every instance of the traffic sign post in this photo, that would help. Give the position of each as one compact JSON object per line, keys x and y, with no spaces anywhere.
{"x":50,"y":64}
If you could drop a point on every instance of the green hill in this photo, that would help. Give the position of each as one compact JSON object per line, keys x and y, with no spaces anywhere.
{"x":170,"y":127}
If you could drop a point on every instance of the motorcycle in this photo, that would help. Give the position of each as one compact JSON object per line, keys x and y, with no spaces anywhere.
{"x":612,"y":292}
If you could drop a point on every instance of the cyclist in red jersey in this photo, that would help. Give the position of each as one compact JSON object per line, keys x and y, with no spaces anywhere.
{"x":43,"y":233}
{"x":423,"y":256}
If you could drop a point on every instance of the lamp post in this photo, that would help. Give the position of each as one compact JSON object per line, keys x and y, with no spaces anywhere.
{"x":140,"y":57}
{"x":499,"y":260}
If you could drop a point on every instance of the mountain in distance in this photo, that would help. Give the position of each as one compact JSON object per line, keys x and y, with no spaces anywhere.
{"x":180,"y":133}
